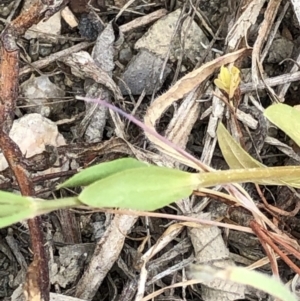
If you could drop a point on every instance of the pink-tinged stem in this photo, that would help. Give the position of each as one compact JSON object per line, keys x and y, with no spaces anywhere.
{"x":146,"y":129}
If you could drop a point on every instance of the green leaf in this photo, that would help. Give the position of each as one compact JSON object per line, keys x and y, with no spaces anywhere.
{"x":145,"y":188}
{"x":237,"y":158}
{"x":101,"y":171}
{"x":286,"y":118}
{"x":11,"y":203}
{"x":241,"y":275}
{"x":14,"y":208}
{"x":9,"y":220}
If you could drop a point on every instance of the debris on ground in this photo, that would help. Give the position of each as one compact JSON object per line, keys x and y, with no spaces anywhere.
{"x":183,"y":68}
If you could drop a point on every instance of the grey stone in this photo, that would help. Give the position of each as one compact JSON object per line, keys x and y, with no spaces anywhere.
{"x":160,"y":36}
{"x":143,"y":72}
{"x":125,"y":55}
{"x":280,"y":49}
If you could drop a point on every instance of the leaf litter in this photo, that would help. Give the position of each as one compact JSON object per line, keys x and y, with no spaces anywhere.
{"x":173,"y":109}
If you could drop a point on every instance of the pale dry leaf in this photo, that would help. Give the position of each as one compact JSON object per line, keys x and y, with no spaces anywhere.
{"x":95,"y":116}
{"x":183,"y":86}
{"x":172,"y":286}
{"x":242,"y":25}
{"x":210,"y":139}
{"x":209,"y":247}
{"x":247,"y":119}
{"x":283,"y":148}
{"x":83,"y":66}
{"x":107,"y":251}
{"x":179,"y":130}
{"x":263,"y":32}
{"x":243,"y":276}
{"x":170,"y":234}
{"x":69,"y":17}
{"x":183,"y":121}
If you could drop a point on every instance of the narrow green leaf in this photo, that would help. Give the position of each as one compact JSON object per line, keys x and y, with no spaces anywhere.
{"x":244,"y":276}
{"x":286,"y":118}
{"x":6,"y":221}
{"x":101,"y":171}
{"x":11,"y":203}
{"x":237,"y":158}
{"x":13,"y":198}
{"x":15,"y":208}
{"x":145,"y":188}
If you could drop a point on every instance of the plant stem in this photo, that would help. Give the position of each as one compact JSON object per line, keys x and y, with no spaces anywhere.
{"x":289,"y":175}
{"x":52,"y":205}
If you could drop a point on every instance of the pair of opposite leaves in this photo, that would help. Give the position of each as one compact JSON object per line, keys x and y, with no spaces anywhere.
{"x":128,"y":183}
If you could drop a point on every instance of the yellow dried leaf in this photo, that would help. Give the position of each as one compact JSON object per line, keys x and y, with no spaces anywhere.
{"x":228,"y":80}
